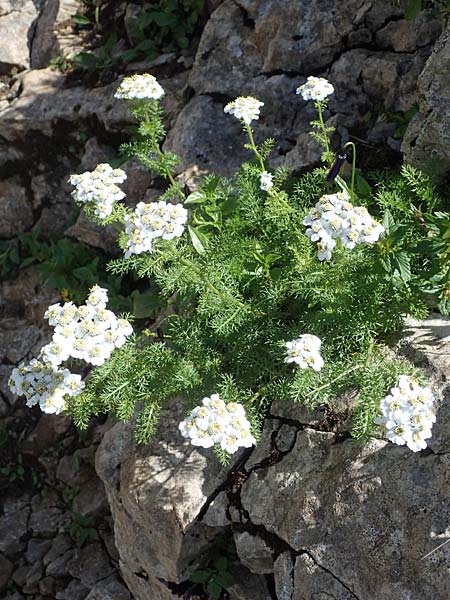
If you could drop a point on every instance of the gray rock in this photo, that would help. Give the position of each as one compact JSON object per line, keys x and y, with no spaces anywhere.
{"x":372,"y":489}
{"x":283,"y":570}
{"x":109,"y":589}
{"x":156,"y":493}
{"x":91,"y":564}
{"x":74,"y":591}
{"x":16,"y":214}
{"x":47,"y":522}
{"x":216,"y":515}
{"x":47,"y":586}
{"x":312,"y":581}
{"x":60,"y":566}
{"x":13,"y":530}
{"x":34,"y":575}
{"x":247,"y":586}
{"x":37,"y":549}
{"x":60,"y":544}
{"x":427,"y":139}
{"x":6,"y":569}
{"x":254,"y":553}
{"x":91,"y":500}
{"x":16,"y":21}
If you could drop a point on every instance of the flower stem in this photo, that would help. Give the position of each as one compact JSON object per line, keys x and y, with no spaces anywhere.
{"x":253,"y":145}
{"x":352,"y":144}
{"x":326,"y":143}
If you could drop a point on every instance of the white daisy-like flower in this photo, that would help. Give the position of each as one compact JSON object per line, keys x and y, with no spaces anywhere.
{"x":334,"y":219}
{"x":45,"y":384}
{"x":99,"y":188}
{"x":244,"y":108}
{"x":315,"y":88}
{"x":266,"y":181}
{"x":215,"y":422}
{"x":150,"y":221}
{"x":305,"y":352}
{"x":407,"y":414}
{"x":139,"y":87}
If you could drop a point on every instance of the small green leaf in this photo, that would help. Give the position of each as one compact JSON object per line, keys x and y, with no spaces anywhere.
{"x":214,"y":589}
{"x":80,"y":20}
{"x":413,"y":9}
{"x":225,"y":579}
{"x":199,"y":239}
{"x":363,"y":188}
{"x":200,"y":576}
{"x":221,"y":563}
{"x":195,"y":198}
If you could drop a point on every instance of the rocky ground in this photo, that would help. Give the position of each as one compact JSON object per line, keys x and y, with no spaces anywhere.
{"x":307,"y":508}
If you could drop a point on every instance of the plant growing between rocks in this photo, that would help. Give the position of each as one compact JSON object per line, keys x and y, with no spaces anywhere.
{"x":273,"y":289}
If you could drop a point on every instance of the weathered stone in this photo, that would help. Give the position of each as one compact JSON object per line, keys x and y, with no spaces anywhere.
{"x":216,"y":515}
{"x":47,"y":431}
{"x":74,"y":591}
{"x":47,"y":586}
{"x":109,"y":589}
{"x":34,"y":575}
{"x":59,"y":567}
{"x":16,"y":21}
{"x":16,"y":214}
{"x":407,"y":36}
{"x":156,"y":493}
{"x":91,"y":500}
{"x":142,"y":585}
{"x":312,"y":581}
{"x":427,"y":140}
{"x":343,"y":488}
{"x":91,"y":564}
{"x":60,"y":544}
{"x":53,"y":35}
{"x":254,"y":553}
{"x":6,"y":569}
{"x":47,"y":522}
{"x":247,"y":586}
{"x":37,"y":549}
{"x":13,"y":530}
{"x":283,"y":570}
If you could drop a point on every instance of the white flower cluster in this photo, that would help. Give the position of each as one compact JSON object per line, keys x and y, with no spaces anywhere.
{"x":335,"y":218}
{"x":265,"y":181}
{"x":150,"y":221}
{"x":305,"y":352}
{"x":408,"y":414}
{"x":244,"y":108}
{"x":315,"y":88}
{"x":139,"y":87}
{"x":44,"y":384}
{"x":214,"y":422}
{"x":99,"y":187}
{"x":89,"y":332}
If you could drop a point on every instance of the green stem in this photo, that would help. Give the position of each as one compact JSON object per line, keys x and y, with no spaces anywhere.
{"x":160,"y":153}
{"x":353,"y":165}
{"x":209,"y":285}
{"x":324,"y":129}
{"x":253,"y":145}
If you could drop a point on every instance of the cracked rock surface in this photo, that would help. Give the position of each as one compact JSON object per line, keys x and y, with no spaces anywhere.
{"x":311,"y":511}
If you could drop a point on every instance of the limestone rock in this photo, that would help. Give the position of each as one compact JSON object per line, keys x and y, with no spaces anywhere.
{"x":320,"y":493}
{"x":254,"y":553}
{"x":16,"y":214}
{"x":427,"y":139}
{"x":16,"y":26}
{"x":13,"y":530}
{"x":247,"y":586}
{"x":6,"y":569}
{"x":157,"y":493}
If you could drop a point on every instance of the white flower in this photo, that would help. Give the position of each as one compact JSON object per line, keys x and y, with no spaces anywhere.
{"x":45,"y":384}
{"x":215,"y":422}
{"x":99,"y":188}
{"x":150,"y":221}
{"x":315,"y":88}
{"x":305,"y":352}
{"x":138,"y":87}
{"x":244,"y":108}
{"x":335,"y":219}
{"x":407,"y":414}
{"x":265,"y":180}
